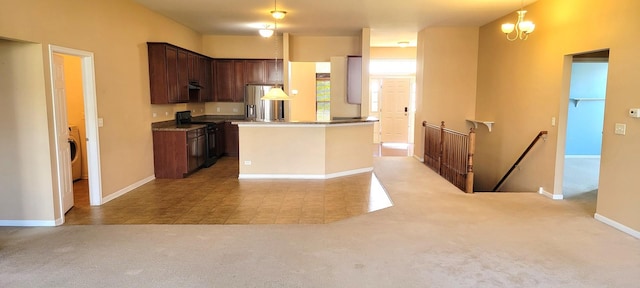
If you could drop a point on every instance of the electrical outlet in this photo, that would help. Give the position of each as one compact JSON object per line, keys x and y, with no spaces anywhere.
{"x":634,"y":112}
{"x":553,"y":121}
{"x":235,"y":109}
{"x":217,"y":109}
{"x":154,"y":114}
{"x":247,"y":162}
{"x":621,"y":129}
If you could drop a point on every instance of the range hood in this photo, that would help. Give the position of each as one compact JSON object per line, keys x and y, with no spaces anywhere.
{"x":194,"y":86}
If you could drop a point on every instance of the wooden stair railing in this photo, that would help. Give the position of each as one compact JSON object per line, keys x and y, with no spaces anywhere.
{"x":526,"y":151}
{"x":450,"y":154}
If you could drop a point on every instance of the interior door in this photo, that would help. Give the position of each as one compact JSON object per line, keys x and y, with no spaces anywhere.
{"x":64,"y":149}
{"x":394,"y":110}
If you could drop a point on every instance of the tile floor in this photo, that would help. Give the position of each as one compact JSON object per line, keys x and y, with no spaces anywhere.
{"x":214,"y":195}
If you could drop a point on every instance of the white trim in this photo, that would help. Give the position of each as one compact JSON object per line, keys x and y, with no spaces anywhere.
{"x":91,"y":119}
{"x":617,"y":225}
{"x":28,"y":223}
{"x":127,"y":189}
{"x":582,"y":156}
{"x":294,"y":125}
{"x":305,"y":176}
{"x":421,"y":159}
{"x":548,"y":194}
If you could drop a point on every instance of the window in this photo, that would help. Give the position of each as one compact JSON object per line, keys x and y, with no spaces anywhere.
{"x":323,"y":97}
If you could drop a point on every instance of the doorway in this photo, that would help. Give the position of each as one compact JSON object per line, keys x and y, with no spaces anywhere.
{"x":585,"y":120}
{"x":80,"y":65}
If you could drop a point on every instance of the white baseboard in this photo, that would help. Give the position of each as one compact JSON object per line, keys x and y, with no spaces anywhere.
{"x":617,"y":225}
{"x":127,"y":189}
{"x":421,"y":159}
{"x":28,"y":223}
{"x":547,"y":194}
{"x":582,"y":156}
{"x":305,"y":176}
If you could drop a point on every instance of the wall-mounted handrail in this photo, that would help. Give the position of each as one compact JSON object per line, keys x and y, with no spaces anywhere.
{"x":526,"y":151}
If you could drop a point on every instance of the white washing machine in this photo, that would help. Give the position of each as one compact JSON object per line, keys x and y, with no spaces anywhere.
{"x":76,"y":152}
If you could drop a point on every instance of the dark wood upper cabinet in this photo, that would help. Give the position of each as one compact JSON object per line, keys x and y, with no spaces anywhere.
{"x":178,"y":75}
{"x":167,"y":74}
{"x":274,"y":72}
{"x":239,"y":81}
{"x":206,"y":70}
{"x":194,"y":68}
{"x":254,"y":71}
{"x":223,"y":80}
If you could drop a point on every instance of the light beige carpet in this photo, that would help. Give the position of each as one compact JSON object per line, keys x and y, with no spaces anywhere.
{"x":433,"y":236}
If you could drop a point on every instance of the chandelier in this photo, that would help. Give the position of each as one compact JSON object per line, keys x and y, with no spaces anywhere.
{"x":521,"y":29}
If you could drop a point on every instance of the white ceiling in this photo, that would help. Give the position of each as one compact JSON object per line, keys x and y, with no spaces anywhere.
{"x":390,"y":21}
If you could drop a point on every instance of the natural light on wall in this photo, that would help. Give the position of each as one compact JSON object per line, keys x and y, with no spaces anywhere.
{"x":392,"y":67}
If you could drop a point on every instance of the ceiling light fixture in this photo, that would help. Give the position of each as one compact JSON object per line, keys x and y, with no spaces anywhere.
{"x":266,"y":32}
{"x":403,"y":44}
{"x":278,"y":14}
{"x":522,"y":28}
{"x":276,"y":93}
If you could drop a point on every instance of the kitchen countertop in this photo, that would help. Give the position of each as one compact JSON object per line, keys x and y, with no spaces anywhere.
{"x":329,"y":122}
{"x":170,"y":125}
{"x":239,"y":119}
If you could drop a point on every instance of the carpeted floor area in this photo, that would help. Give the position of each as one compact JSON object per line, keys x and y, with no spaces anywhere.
{"x":433,"y":236}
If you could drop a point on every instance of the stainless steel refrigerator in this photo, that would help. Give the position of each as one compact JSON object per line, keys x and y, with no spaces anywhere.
{"x":261,"y":110}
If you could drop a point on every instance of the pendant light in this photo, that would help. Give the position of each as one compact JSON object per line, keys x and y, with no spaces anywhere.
{"x":276,"y":93}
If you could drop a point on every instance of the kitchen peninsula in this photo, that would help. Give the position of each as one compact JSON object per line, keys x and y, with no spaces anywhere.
{"x":305,"y":150}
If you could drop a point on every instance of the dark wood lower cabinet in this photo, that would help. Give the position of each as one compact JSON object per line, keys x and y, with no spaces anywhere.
{"x":231,"y":137}
{"x":178,"y":153}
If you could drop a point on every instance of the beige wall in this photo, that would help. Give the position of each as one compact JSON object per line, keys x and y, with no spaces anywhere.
{"x":322,"y":48}
{"x":26,"y":177}
{"x":75,"y":103}
{"x":303,"y":79}
{"x":116,"y":31}
{"x":446,"y":79}
{"x":393,"y":53}
{"x":523,"y":84}
{"x":233,"y":46}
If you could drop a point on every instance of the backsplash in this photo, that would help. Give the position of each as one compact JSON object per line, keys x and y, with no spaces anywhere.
{"x":168,"y":112}
{"x":224,"y":108}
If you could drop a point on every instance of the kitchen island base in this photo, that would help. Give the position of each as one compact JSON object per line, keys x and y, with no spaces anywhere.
{"x":291,"y":150}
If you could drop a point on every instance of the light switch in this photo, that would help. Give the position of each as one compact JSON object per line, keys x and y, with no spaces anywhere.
{"x":100,"y":122}
{"x":621,"y":129}
{"x":553,"y":121}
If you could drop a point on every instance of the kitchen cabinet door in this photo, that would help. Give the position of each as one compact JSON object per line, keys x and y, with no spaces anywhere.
{"x":274,"y":72}
{"x":254,"y":71}
{"x":194,"y":67}
{"x":164,"y":82}
{"x":183,"y":76}
{"x":224,"y":80}
{"x":354,"y":79}
{"x":231,"y":137}
{"x":239,"y":81}
{"x":206,"y":93}
{"x":170,"y":156}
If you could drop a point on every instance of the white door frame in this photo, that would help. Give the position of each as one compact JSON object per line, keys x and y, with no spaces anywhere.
{"x":91,"y":121}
